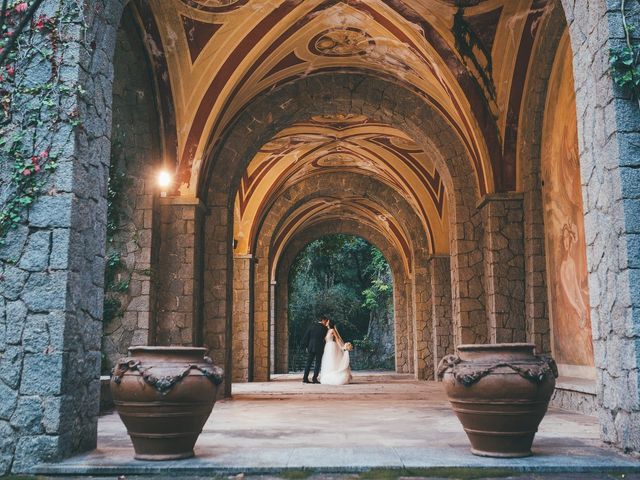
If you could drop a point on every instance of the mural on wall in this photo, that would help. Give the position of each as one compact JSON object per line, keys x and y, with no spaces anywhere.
{"x":564,"y":222}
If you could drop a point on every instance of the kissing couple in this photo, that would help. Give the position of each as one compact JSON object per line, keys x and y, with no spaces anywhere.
{"x":325,"y":346}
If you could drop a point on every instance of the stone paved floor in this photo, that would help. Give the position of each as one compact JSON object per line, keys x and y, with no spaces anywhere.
{"x":379,"y":421}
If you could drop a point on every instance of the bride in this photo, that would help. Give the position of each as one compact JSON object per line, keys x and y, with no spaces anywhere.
{"x":335,"y":368}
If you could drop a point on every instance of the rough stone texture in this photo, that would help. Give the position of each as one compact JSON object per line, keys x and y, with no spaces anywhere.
{"x":608,"y":130}
{"x":50,"y":363}
{"x":176,"y":270}
{"x":424,"y":361}
{"x":281,"y":318}
{"x":504,"y":267}
{"x":218,"y":285}
{"x":467,"y":280}
{"x":135,"y":148}
{"x":441,"y":321}
{"x":242,"y":348}
{"x":574,"y":401}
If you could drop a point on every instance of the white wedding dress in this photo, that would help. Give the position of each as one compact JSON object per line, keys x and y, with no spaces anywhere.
{"x":335,"y":369}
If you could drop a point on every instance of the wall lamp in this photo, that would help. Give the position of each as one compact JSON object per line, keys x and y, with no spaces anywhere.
{"x":164,"y":182}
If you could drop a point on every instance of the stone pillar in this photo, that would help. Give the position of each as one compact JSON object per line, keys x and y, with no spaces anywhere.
{"x":608,"y":131}
{"x":467,"y":284}
{"x":52,"y":264}
{"x":409,"y":325}
{"x":423,"y":353}
{"x":400,"y":331}
{"x":502,"y":216}
{"x":272,"y":327}
{"x":260,"y":324}
{"x":176,"y":271}
{"x":217,"y":284}
{"x":536,"y":309}
{"x":442,"y":319}
{"x":282,"y":325}
{"x":241,"y":345}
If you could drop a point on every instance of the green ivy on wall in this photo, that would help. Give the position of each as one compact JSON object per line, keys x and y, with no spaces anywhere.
{"x":624,"y":61}
{"x":32,"y":112}
{"x":117,"y":276}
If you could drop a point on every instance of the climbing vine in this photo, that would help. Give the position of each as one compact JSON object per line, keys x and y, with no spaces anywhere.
{"x":625,"y":61}
{"x":34,"y":106}
{"x":117,"y":276}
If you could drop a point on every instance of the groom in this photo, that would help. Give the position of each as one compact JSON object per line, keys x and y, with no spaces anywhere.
{"x":313,"y":340}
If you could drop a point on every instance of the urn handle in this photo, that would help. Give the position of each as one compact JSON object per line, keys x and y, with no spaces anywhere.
{"x":447,"y":362}
{"x":468,"y":375}
{"x":164,"y":384}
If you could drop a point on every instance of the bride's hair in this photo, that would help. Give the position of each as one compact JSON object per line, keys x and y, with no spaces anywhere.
{"x":333,"y":325}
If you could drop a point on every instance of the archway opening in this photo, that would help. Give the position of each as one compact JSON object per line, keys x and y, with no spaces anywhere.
{"x":348,"y":279}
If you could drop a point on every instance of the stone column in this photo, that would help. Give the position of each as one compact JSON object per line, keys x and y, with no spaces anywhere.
{"x":442,"y":319}
{"x":537,"y":316}
{"x":409,"y":325}
{"x":272,"y":327}
{"x":282,"y":325}
{"x":177,"y":268}
{"x":400,"y":331}
{"x":217,"y":284}
{"x":52,"y":264}
{"x":502,"y":215}
{"x":241,"y":345}
{"x":467,"y":281}
{"x":260,"y":322}
{"x":423,"y":353}
{"x":608,"y":132}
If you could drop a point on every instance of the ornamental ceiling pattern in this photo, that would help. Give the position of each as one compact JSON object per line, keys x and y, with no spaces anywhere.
{"x":469,"y":64}
{"x":347,"y":143}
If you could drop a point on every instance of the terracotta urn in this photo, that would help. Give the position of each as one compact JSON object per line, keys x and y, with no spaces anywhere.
{"x":164,"y":396}
{"x":500,"y":394}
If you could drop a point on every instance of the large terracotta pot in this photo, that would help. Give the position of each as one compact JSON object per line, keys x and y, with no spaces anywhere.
{"x":500,"y":394}
{"x":164,"y":396}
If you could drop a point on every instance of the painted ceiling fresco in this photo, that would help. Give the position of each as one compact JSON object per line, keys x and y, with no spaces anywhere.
{"x":345,"y":143}
{"x":470,"y":64}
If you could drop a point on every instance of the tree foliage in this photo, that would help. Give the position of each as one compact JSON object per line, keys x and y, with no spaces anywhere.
{"x":349,"y":280}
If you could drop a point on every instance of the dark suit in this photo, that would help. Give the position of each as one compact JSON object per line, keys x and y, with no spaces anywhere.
{"x":313,"y":341}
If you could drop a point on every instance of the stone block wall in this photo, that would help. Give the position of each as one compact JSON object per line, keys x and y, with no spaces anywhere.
{"x":281,"y":344}
{"x":607,"y":120}
{"x":261,"y":331}
{"x":137,"y":156}
{"x":424,"y":359}
{"x":176,"y":270}
{"x":608,"y":130}
{"x":242,"y":348}
{"x":468,"y":297}
{"x":504,"y":267}
{"x":575,"y":401}
{"x":400,"y":302}
{"x":52,"y":266}
{"x":441,"y":320}
{"x":217,"y":281}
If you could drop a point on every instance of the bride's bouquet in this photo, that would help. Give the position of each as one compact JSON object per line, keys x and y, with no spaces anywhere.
{"x":348,"y":346}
